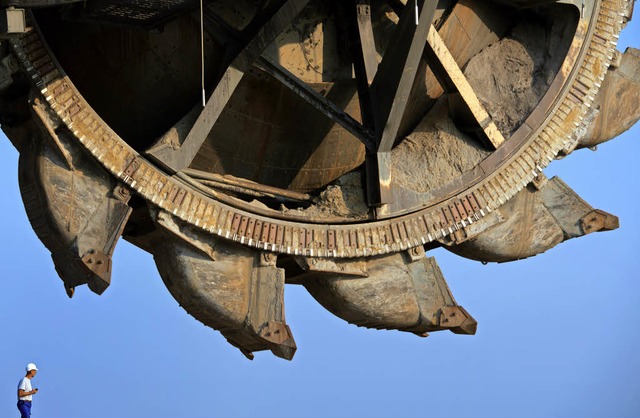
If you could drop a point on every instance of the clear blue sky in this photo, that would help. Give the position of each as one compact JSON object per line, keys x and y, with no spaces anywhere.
{"x":558,"y":334}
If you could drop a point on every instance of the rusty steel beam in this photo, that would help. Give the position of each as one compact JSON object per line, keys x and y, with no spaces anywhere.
{"x":367,"y":41}
{"x":315,"y":99}
{"x":390,"y":91}
{"x":446,"y":68}
{"x":357,"y":21}
{"x":363,"y":54}
{"x":246,"y":184}
{"x":396,"y":73}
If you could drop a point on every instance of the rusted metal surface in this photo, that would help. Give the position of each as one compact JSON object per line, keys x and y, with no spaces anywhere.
{"x":421,"y":300}
{"x":75,"y":207}
{"x":318,"y":101}
{"x":266,"y":185}
{"x":532,"y":222}
{"x":614,"y":109}
{"x":247,"y":185}
{"x":226,"y":286}
{"x":448,"y":68}
{"x":492,"y":193}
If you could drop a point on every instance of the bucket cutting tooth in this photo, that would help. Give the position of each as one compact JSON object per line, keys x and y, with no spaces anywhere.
{"x":75,"y":207}
{"x":229,"y":287}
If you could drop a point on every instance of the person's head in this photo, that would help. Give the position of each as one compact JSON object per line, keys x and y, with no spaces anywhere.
{"x":31,"y":370}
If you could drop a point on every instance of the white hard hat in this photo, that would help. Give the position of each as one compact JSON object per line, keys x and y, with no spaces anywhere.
{"x":31,"y":366}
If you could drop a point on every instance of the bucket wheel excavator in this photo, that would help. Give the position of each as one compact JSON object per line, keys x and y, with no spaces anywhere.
{"x":249,"y":144}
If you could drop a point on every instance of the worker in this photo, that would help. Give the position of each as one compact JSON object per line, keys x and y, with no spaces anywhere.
{"x":25,"y":392}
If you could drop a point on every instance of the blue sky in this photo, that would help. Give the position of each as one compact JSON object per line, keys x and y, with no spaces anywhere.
{"x":557,"y":334}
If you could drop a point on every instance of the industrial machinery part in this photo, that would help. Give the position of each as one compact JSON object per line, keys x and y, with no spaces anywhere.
{"x":249,"y":144}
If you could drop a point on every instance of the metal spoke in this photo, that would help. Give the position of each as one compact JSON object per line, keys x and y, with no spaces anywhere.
{"x":356,"y":18}
{"x":446,"y":69}
{"x":390,"y":91}
{"x":318,"y":101}
{"x":367,"y":42}
{"x":393,"y":83}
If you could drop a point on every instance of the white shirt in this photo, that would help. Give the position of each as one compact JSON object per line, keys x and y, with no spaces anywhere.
{"x":25,"y":384}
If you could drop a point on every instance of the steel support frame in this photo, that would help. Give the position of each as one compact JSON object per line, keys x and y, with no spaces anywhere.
{"x":383,"y":89}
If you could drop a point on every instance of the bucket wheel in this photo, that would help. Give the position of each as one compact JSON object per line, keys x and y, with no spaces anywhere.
{"x":256,"y":143}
